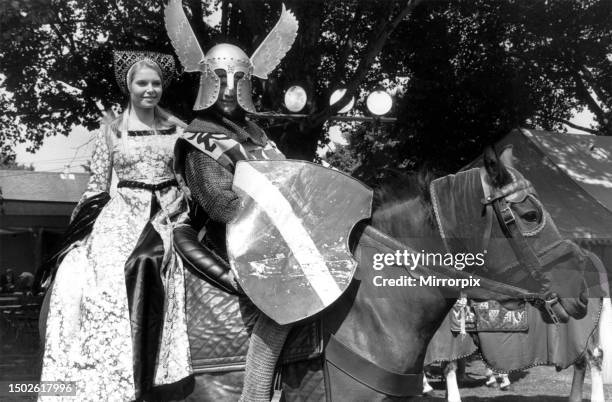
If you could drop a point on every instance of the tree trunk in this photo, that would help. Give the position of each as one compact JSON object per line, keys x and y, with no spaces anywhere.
{"x":296,"y":139}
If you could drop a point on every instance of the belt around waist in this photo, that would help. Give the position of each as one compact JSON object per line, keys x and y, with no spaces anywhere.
{"x":147,"y":186}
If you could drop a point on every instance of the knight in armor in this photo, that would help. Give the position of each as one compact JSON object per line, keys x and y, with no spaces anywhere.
{"x":216,"y":139}
{"x":224,"y":99}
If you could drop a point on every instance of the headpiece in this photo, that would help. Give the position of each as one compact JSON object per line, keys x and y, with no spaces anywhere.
{"x":125,"y":59}
{"x":228,"y":57}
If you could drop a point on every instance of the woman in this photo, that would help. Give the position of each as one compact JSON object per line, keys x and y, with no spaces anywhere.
{"x":116,"y":322}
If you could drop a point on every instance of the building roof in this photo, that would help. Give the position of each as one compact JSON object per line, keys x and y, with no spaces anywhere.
{"x":25,"y":185}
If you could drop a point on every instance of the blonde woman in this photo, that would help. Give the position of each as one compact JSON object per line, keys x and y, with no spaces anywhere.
{"x":116,"y":317}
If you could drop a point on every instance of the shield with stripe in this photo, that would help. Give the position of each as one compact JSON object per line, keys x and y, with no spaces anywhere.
{"x":288,"y":247}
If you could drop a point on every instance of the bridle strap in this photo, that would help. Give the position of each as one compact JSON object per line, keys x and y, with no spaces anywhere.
{"x":524,"y":253}
{"x":522,"y":250}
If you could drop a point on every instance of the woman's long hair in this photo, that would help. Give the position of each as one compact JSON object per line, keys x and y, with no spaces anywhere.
{"x":162,"y":118}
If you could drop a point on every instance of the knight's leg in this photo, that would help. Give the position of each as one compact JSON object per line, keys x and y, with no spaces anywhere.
{"x":452,"y":388}
{"x":595,"y":358}
{"x":265,"y":347}
{"x":578,"y":380}
{"x":426,"y":387}
{"x":145,"y":292}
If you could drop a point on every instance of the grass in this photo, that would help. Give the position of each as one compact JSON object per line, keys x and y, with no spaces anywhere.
{"x":537,"y":384}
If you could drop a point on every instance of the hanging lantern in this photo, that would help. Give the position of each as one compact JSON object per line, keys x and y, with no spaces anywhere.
{"x":295,"y":98}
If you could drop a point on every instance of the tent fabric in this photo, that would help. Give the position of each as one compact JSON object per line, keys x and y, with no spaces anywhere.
{"x":586,"y":159}
{"x":572,"y":174}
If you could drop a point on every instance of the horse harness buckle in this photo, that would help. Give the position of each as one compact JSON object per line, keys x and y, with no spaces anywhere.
{"x":507,"y":215}
{"x":549,"y":302}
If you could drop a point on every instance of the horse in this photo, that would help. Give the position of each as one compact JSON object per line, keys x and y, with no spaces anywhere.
{"x":448,"y":348}
{"x":374,"y":338}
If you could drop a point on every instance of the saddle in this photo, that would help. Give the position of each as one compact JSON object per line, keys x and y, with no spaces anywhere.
{"x":220,"y":318}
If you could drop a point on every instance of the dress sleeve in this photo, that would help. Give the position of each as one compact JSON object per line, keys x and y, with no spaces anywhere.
{"x":211,"y":186}
{"x":101,"y":169}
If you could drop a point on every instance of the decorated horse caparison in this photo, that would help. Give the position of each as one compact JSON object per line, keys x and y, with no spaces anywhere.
{"x":370,"y":343}
{"x":522,"y":339}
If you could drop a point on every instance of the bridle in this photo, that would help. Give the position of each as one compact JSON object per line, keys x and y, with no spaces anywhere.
{"x":497,"y":200}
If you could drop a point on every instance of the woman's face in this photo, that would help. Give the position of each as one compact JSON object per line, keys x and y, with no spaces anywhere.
{"x":145,"y":88}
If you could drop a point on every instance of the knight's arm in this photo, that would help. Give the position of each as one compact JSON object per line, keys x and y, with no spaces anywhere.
{"x":211,"y":186}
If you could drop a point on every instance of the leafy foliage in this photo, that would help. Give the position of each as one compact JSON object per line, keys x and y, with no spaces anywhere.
{"x":56,"y":63}
{"x":8,"y":163}
{"x":477,"y":69}
{"x":474,"y":68}
{"x":56,"y":58}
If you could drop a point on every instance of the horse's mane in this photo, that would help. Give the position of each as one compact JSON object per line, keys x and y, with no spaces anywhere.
{"x":402,"y":205}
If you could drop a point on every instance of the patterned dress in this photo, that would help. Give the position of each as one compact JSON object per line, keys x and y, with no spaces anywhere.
{"x":88,"y":333}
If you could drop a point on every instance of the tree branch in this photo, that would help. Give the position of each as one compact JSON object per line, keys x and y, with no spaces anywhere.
{"x":375,"y":44}
{"x":348,"y":45}
{"x":256,"y":21}
{"x":199,"y":26}
{"x":224,"y":17}
{"x":568,"y":123}
{"x":584,"y":95}
{"x":599,"y":91}
{"x":66,"y":34}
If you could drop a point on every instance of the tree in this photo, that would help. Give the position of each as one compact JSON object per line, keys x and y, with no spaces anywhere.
{"x":56,"y":63}
{"x":477,"y":69}
{"x":55,"y":58}
{"x":8,"y":162}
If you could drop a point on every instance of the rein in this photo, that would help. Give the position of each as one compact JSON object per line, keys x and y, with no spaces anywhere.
{"x":488,"y":289}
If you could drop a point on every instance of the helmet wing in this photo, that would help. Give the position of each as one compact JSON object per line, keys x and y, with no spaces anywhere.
{"x":276,"y":45}
{"x":183,"y":38}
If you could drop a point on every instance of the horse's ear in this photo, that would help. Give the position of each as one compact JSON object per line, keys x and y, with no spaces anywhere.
{"x":498,"y":174}
{"x":507,"y":157}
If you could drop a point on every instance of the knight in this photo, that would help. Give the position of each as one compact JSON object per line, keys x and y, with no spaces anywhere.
{"x":206,"y":155}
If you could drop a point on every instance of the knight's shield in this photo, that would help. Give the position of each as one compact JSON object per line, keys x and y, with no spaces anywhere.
{"x":288,"y":247}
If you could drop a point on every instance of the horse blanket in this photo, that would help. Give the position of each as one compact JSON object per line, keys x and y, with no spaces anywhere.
{"x":460,"y":215}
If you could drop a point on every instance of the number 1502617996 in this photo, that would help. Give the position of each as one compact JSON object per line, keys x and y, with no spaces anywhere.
{"x":46,"y":388}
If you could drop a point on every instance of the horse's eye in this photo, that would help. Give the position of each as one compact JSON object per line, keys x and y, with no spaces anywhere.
{"x":530,"y":216}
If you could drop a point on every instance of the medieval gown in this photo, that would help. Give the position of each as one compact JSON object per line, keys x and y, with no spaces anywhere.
{"x":88,"y":332}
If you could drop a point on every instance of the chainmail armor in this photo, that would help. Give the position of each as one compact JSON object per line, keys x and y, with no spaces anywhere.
{"x":211,"y":186}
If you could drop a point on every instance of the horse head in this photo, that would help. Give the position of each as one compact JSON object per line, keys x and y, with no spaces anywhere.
{"x":525,"y":248}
